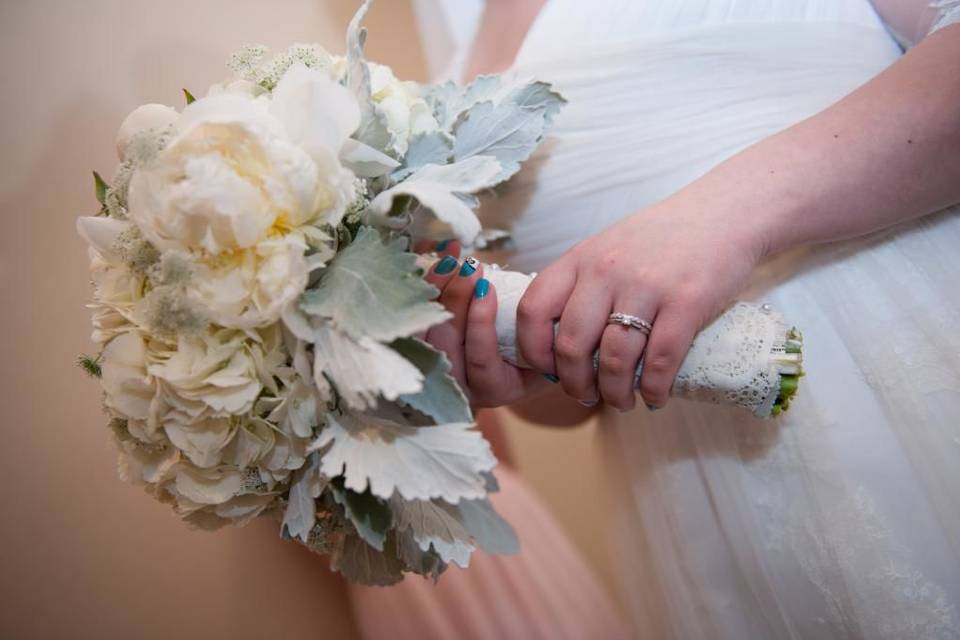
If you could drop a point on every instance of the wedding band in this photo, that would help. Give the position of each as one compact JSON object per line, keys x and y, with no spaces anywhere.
{"x":628,"y":320}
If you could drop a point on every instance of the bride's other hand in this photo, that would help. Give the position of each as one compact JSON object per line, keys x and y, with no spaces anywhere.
{"x":469,"y":338}
{"x":672,"y":265}
{"x":884,"y":154}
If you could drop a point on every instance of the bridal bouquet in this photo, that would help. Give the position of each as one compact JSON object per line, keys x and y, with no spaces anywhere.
{"x":256,"y":305}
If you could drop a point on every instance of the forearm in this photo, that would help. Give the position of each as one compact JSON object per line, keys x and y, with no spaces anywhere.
{"x":888,"y":152}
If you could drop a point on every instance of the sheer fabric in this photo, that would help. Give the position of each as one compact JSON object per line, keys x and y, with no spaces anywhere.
{"x":842,"y":519}
{"x":548,"y":592}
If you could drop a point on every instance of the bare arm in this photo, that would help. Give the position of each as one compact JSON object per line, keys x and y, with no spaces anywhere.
{"x":503,"y":27}
{"x":887,"y":153}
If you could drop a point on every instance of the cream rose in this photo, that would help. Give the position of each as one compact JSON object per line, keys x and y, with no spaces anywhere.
{"x":405,"y":111}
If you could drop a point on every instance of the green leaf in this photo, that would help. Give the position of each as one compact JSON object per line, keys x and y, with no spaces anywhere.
{"x":101,"y":188}
{"x":189,"y":96}
{"x":371,"y":290}
{"x":441,"y":397}
{"x":371,"y":517}
{"x":90,"y":365}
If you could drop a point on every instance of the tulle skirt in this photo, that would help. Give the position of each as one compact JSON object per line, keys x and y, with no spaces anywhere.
{"x":842,"y":518}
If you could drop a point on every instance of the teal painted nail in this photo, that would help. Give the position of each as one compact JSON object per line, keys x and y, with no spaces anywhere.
{"x":446,"y":265}
{"x":442,"y":245}
{"x":469,"y":267}
{"x":481,"y":288}
{"x":552,"y":378}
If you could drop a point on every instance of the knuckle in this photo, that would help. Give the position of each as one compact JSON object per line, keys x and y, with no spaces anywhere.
{"x":568,"y":348}
{"x":659,"y":363}
{"x":606,"y":266}
{"x":614,"y":364}
{"x":478,"y":365}
{"x":528,"y":310}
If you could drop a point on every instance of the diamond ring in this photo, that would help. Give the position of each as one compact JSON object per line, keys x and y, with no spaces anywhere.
{"x":627,"y":320}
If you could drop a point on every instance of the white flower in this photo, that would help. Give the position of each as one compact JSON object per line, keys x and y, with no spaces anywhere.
{"x":251,"y":288}
{"x":143,"y":118}
{"x":117,"y":289}
{"x":129,"y":389}
{"x":241,"y":169}
{"x":405,"y":111}
{"x":210,"y":375}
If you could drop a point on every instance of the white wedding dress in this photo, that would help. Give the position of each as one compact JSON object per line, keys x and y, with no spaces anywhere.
{"x":841,"y":519}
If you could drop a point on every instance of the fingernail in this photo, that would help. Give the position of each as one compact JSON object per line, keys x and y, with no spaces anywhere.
{"x":443,"y":244}
{"x":446,"y":265}
{"x":588,"y":403}
{"x":481,"y":288}
{"x":469,"y":267}
{"x":552,"y":378}
{"x":652,"y":407}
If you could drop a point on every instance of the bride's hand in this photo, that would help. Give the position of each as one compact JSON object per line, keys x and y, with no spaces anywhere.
{"x":470,"y":338}
{"x":675,"y":265}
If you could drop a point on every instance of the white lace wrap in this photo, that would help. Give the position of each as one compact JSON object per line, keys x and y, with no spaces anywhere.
{"x":737,"y":360}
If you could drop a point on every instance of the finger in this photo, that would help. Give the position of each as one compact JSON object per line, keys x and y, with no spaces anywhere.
{"x":673,"y":332}
{"x":620,"y":350}
{"x":581,"y":326}
{"x":492,"y":380}
{"x":442,"y":272}
{"x":441,"y":248}
{"x":457,"y":294}
{"x":446,"y":338}
{"x":539,"y":308}
{"x":455,"y":297}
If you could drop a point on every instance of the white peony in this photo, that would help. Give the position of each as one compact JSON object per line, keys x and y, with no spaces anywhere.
{"x":247,"y":289}
{"x":240,"y":169}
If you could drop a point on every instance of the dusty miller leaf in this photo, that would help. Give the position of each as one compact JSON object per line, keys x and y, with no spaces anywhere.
{"x":361,"y":563}
{"x":373,"y":129}
{"x":361,"y":370}
{"x":445,"y":190}
{"x":435,"y":524}
{"x":301,"y":510}
{"x":370,"y":516}
{"x":491,"y":533}
{"x":508,"y":132}
{"x":443,"y":461}
{"x":441,"y":397}
{"x":430,"y":147}
{"x":371,"y":290}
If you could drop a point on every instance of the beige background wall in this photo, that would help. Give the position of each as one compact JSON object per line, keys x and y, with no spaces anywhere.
{"x":82,"y":554}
